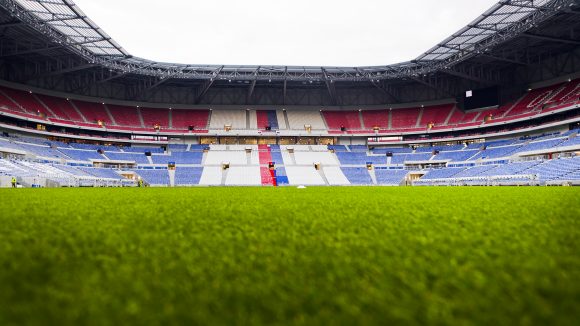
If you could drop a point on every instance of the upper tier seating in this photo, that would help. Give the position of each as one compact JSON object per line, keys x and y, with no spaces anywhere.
{"x":131,"y":118}
{"x":26,"y":100}
{"x":533,"y":100}
{"x":62,"y":108}
{"x":298,"y":119}
{"x":125,"y":115}
{"x":376,"y":118}
{"x":404,"y":118}
{"x":154,"y":116}
{"x":435,"y":114}
{"x":267,"y":118}
{"x":7,"y":102}
{"x":459,"y":117}
{"x":335,"y":120}
{"x":93,"y":112}
{"x":235,"y":118}
{"x":182,"y":119}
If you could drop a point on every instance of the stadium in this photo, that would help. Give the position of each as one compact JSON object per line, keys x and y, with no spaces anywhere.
{"x":301,"y":194}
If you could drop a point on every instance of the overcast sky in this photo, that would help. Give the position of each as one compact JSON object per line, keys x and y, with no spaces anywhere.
{"x":281,"y":32}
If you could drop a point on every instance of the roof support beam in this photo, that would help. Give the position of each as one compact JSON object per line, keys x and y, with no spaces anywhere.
{"x":428,"y":84}
{"x":466,"y":76}
{"x":285,"y":85}
{"x":330,"y":87}
{"x":252,"y":87}
{"x":62,"y":71}
{"x":551,"y":38}
{"x":205,"y":87}
{"x":505,"y":59}
{"x":124,"y":73}
{"x":384,"y":91}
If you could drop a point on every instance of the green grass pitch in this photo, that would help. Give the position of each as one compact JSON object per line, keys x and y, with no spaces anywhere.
{"x":348,"y":255}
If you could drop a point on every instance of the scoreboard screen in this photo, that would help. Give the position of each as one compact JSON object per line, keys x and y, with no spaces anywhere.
{"x":479,"y":98}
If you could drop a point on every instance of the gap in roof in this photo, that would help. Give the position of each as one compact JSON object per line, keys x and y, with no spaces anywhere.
{"x":282,"y":32}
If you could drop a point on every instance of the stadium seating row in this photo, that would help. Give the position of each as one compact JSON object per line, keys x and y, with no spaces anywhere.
{"x":134,"y":118}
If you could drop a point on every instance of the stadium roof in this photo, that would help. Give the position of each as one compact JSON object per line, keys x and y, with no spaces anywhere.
{"x":66,"y":24}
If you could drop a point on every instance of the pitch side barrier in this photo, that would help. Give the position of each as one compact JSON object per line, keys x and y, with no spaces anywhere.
{"x":67,"y":181}
{"x":500,"y":180}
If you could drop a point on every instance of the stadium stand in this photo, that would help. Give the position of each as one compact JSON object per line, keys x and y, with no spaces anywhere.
{"x":390,"y":177}
{"x":403,"y":119}
{"x":188,"y":176}
{"x":62,"y":109}
{"x":435,"y":114}
{"x":335,"y":176}
{"x":24,"y":100}
{"x":267,"y":118}
{"x":298,"y":119}
{"x":375,"y":118}
{"x":243,"y":176}
{"x":335,"y":120}
{"x":357,"y":175}
{"x":154,"y":177}
{"x":155,"y":116}
{"x":125,"y":115}
{"x":304,"y":175}
{"x":340,"y":164}
{"x":133,"y":157}
{"x":182,"y":119}
{"x":92,"y":112}
{"x":211,"y":176}
{"x":234,"y":118}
